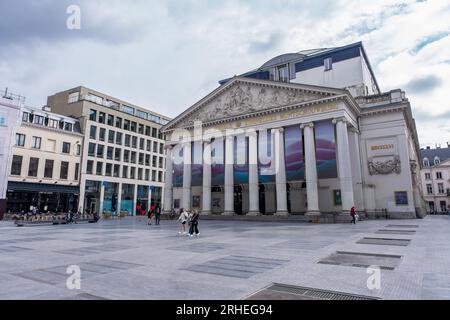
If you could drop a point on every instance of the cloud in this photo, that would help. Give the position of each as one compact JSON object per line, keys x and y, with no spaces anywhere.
{"x":264,"y":45}
{"x":45,"y":21}
{"x":167,"y":54}
{"x":423,"y":84}
{"x":428,"y":40}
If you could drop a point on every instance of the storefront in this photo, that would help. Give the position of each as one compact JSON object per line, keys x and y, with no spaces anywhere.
{"x":23,"y":197}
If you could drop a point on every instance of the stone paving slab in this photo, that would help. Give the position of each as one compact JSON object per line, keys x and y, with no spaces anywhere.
{"x":230,"y":260}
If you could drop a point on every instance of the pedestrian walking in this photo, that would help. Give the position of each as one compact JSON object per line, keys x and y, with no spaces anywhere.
{"x":194,"y":224}
{"x":157,"y":215}
{"x":150,"y":215}
{"x":183,"y":218}
{"x":353,"y":214}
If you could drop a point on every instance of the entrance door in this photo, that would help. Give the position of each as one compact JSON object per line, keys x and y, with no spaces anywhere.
{"x":238,"y":200}
{"x":262,"y":199}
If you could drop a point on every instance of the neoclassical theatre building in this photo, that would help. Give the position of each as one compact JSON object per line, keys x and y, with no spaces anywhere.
{"x":308,"y":133}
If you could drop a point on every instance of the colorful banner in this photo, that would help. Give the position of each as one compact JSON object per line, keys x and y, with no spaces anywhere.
{"x":294,"y":158}
{"x":177,"y":153}
{"x":241,"y":160}
{"x":197,"y":164}
{"x":265,"y":170}
{"x":218,"y":162}
{"x":325,"y":150}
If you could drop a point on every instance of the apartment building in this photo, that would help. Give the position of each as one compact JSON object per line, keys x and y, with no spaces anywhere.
{"x":10,"y":106}
{"x":435,"y":176}
{"x":45,"y":165}
{"x":122,"y":169}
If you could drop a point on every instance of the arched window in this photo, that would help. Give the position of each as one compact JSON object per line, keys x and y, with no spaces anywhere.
{"x":437,"y":161}
{"x":426,"y":162}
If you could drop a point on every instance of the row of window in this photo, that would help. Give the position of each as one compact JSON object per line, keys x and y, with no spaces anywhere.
{"x":124,"y":124}
{"x":438,"y":176}
{"x":74,"y":97}
{"x":125,"y":172}
{"x":48,"y":122}
{"x":16,"y":168}
{"x":36,"y":143}
{"x":441,"y":189}
{"x":98,"y":150}
{"x":426,"y":161}
{"x":127,"y":140}
{"x":442,"y":206}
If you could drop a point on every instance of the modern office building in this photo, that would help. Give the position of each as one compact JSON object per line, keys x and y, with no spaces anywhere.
{"x":123,"y":161}
{"x":435,"y":176}
{"x":45,"y":165}
{"x":308,"y":133}
{"x":10,"y":106}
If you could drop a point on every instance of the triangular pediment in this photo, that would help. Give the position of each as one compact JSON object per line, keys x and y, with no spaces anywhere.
{"x":243,"y":96}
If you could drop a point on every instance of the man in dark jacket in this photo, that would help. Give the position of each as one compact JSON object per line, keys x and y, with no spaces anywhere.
{"x":158,"y":215}
{"x":194,"y":224}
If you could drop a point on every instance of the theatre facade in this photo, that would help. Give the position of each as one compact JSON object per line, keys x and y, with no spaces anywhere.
{"x":266,"y":147}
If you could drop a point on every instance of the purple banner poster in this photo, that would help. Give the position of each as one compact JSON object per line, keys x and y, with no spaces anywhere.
{"x":295,"y":162}
{"x":326,"y":150}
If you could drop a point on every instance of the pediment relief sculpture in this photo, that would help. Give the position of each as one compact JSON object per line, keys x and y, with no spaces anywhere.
{"x":243,"y":98}
{"x":384,"y":167}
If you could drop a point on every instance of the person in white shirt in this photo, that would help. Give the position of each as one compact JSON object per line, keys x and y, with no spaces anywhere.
{"x":184,"y":217}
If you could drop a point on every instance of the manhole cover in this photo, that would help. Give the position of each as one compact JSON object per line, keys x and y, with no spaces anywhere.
{"x":363,"y":260}
{"x":287,"y":292}
{"x":385,"y":241}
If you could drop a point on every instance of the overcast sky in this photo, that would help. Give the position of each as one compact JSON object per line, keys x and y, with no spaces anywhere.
{"x":166,"y":55}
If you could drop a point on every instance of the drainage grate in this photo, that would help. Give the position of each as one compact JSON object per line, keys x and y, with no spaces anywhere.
{"x":398,"y":232}
{"x":402,"y":226}
{"x":287,"y":292}
{"x":363,"y":260}
{"x":236,"y":266}
{"x":385,"y":241}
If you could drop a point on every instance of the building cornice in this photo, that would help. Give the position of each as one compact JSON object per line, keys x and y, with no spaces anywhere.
{"x":323,"y":91}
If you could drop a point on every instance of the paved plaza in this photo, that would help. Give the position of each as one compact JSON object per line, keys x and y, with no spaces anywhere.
{"x":230,"y":260}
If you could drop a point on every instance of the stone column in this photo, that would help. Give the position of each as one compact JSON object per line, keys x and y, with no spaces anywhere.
{"x":344,"y":165}
{"x":187,"y":175}
{"x":135,"y":199}
{"x":312,"y":193}
{"x":280,"y":167}
{"x":229,"y":176}
{"x":168,"y":185}
{"x":206,"y":197}
{"x":81,"y":198}
{"x":357,"y":171}
{"x":119,"y":199}
{"x":102,"y":199}
{"x":253,"y":184}
{"x":149,"y":198}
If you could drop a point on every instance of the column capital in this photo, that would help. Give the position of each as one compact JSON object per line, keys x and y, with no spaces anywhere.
{"x":280,"y":129}
{"x":355,"y":130}
{"x":252,"y":134}
{"x":229,"y":137}
{"x":307,"y":125}
{"x":207,"y":140}
{"x":340,"y":119}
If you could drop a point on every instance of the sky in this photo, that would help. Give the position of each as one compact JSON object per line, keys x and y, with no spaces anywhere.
{"x":166,"y":55}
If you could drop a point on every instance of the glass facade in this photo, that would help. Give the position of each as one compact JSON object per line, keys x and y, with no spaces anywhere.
{"x":127,"y":203}
{"x":111,"y":197}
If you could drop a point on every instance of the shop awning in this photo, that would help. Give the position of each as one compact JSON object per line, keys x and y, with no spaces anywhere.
{"x":41,"y":187}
